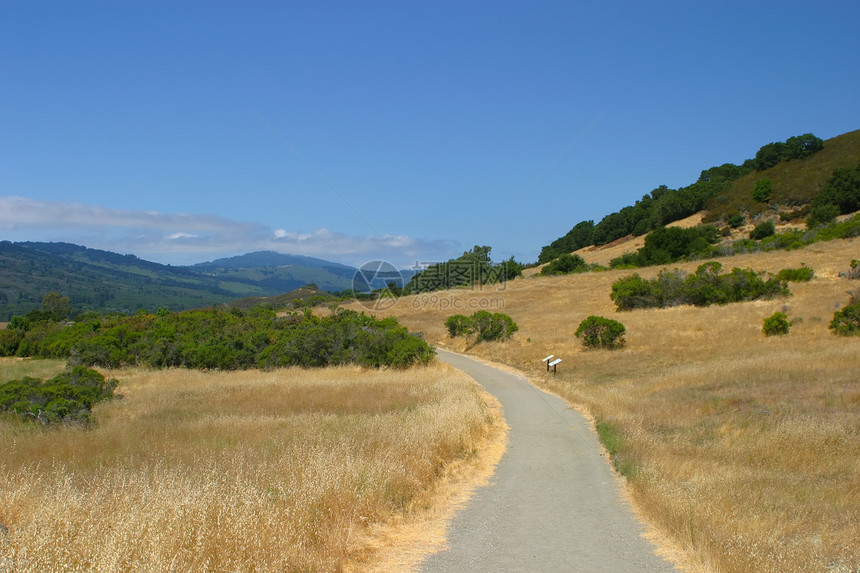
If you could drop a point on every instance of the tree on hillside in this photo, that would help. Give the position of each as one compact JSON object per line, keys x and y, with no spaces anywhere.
{"x":473,"y":267}
{"x":797,"y":147}
{"x":56,"y":306}
{"x":841,"y":190}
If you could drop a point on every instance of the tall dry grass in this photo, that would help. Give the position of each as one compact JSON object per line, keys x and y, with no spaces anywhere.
{"x":246,"y":471}
{"x":742,"y":449}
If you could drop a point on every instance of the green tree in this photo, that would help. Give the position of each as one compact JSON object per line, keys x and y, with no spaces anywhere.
{"x":762,"y":190}
{"x":56,"y":306}
{"x":841,"y":190}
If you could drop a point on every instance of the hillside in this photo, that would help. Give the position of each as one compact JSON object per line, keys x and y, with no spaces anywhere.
{"x":276,"y":273}
{"x":721,"y":192}
{"x":109,"y":282}
{"x":304,"y":295}
{"x":738,"y":447}
{"x":795,"y":182}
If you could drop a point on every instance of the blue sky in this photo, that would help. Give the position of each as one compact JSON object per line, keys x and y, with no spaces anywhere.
{"x":403,"y":131}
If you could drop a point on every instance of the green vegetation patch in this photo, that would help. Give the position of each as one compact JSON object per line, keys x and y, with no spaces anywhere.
{"x":707,"y":286}
{"x":472,"y":268}
{"x":846,"y":322}
{"x":225,"y":340}
{"x":600,"y":332}
{"x":66,"y":398}
{"x":484,"y":325}
{"x":776,"y":324}
{"x":617,"y":448}
{"x":564,"y":265}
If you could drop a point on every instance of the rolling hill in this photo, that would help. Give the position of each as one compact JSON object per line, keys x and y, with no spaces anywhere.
{"x":109,"y":282}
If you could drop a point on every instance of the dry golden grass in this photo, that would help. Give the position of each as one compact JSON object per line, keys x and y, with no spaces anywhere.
{"x":745,"y":447}
{"x":16,"y":368}
{"x":289,"y":470}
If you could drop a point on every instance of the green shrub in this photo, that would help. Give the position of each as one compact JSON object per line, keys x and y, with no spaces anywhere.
{"x":65,"y":398}
{"x":736,"y":220}
{"x":763,"y":230}
{"x":707,"y":286}
{"x":227,"y":340}
{"x":484,"y":325}
{"x":565,"y":264}
{"x":635,"y":292}
{"x":9,"y":342}
{"x":776,"y":324}
{"x":822,"y":214}
{"x":853,"y":271}
{"x":493,"y":326}
{"x":762,"y":191}
{"x":459,"y":325}
{"x":600,"y":332}
{"x":19,"y":323}
{"x":842,"y":190}
{"x":846,"y":322}
{"x":802,"y":274}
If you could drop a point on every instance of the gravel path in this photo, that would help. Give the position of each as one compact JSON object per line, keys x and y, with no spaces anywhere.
{"x":553,"y":503}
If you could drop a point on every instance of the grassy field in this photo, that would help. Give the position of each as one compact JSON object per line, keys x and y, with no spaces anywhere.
{"x":740,"y":449}
{"x":290,"y":470}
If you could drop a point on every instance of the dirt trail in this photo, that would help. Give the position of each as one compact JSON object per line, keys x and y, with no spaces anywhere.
{"x":553,"y":504}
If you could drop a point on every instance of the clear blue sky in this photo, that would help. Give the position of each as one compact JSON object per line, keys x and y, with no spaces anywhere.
{"x":167,"y":129}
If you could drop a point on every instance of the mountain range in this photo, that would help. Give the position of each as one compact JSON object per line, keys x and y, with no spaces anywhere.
{"x":109,"y":282}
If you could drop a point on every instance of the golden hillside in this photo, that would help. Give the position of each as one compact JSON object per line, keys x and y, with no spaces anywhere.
{"x":740,"y":448}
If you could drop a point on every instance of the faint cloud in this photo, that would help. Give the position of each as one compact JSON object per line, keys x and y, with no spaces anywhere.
{"x":178,"y":238}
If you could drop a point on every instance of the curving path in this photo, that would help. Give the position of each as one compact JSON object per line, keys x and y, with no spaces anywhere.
{"x":553,"y":503}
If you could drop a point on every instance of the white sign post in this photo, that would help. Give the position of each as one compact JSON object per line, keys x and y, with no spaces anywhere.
{"x":547,"y":359}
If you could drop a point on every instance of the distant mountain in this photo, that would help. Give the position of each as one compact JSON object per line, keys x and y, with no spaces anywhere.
{"x":278,"y":273}
{"x":268,"y":259}
{"x":109,"y":282}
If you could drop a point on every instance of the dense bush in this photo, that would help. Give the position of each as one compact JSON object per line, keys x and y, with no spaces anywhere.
{"x":707,"y":286}
{"x":565,"y":264}
{"x":671,"y":244}
{"x":776,"y":324}
{"x":763,"y":230}
{"x":459,"y":325}
{"x":600,"y":332}
{"x":484,"y":325}
{"x":227,"y":340}
{"x":9,"y":342}
{"x":472,"y":268}
{"x":736,"y":220}
{"x":762,"y":190}
{"x":68,"y":397}
{"x":799,"y":275}
{"x":842,"y":190}
{"x":846,"y":322}
{"x":822,"y":214}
